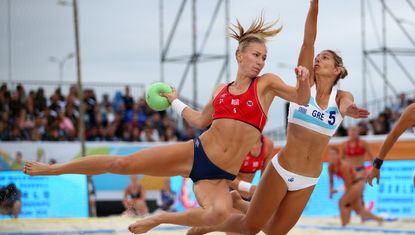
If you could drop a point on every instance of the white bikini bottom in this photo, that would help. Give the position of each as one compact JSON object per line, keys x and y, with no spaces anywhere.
{"x":294,"y":182}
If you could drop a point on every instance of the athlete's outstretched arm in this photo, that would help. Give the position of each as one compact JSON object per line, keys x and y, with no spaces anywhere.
{"x":299,"y":94}
{"x":406,"y":120}
{"x":193,"y":117}
{"x":306,"y":57}
{"x":349,"y":108}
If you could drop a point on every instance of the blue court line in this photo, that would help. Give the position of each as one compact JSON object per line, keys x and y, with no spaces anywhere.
{"x":357,"y":229}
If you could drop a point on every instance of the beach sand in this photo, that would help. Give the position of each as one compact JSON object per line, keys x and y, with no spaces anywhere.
{"x":118,"y":225}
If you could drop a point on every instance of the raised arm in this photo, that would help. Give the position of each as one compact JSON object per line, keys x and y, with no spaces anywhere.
{"x":306,"y":57}
{"x":299,"y":94}
{"x":193,"y":117}
{"x":406,"y":121}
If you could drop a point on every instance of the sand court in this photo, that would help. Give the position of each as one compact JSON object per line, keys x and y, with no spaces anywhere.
{"x":118,"y":225}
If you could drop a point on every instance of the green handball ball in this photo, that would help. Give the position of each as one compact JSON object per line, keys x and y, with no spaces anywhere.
{"x":153,"y":97}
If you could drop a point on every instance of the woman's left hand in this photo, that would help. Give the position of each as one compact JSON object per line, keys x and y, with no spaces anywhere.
{"x":356,"y":112}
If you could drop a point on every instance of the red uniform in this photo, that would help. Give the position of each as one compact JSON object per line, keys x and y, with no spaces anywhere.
{"x":355,"y":151}
{"x":251,"y":164}
{"x":244,"y":107}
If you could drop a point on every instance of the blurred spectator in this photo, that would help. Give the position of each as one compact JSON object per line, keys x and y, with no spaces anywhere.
{"x":149,"y":134}
{"x":134,"y":198}
{"x":18,"y":163}
{"x":401,"y":103}
{"x":169,"y":135}
{"x":65,"y":124}
{"x":40,"y":100}
{"x":15,"y":105}
{"x":362,"y":128}
{"x":10,"y":200}
{"x":382,"y":124}
{"x":21,"y":93}
{"x":168,"y":198}
{"x":128,"y":100}
{"x":118,"y":99}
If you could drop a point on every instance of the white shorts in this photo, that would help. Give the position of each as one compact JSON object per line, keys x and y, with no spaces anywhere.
{"x":294,"y":182}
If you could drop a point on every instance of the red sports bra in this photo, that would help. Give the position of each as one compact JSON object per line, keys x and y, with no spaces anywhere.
{"x":355,"y":151}
{"x":244,"y":107}
{"x":251,"y":164}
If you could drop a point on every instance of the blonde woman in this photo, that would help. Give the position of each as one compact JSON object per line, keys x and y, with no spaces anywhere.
{"x":237,"y":114}
{"x":287,"y":183}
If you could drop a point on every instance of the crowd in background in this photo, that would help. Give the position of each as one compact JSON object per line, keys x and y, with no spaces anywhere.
{"x":34,"y":116}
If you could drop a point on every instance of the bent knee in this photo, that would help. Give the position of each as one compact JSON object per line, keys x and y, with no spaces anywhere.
{"x":214,"y":216}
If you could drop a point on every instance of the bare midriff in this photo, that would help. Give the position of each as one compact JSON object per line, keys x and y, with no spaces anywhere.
{"x":303,"y":152}
{"x":227,"y":142}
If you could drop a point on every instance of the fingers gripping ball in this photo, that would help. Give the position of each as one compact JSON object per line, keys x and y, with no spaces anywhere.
{"x":153,"y":97}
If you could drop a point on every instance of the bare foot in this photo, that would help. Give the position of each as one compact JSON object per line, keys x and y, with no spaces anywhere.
{"x":144,"y":225}
{"x":196,"y":231}
{"x":37,"y":168}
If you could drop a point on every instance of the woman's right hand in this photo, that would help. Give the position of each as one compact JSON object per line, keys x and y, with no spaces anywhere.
{"x":374,"y":173}
{"x":302,"y":73}
{"x":170,"y":96}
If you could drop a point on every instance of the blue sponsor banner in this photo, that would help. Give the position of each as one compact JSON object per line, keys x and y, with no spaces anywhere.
{"x":49,"y":196}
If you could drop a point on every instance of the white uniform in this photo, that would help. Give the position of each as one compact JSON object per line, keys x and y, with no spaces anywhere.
{"x":310,"y":116}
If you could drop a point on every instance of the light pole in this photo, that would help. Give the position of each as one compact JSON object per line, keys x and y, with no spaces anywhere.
{"x":61,"y":63}
{"x":81,"y":131}
{"x":9,"y":39}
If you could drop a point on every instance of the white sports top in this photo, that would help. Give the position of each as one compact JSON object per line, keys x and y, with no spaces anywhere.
{"x":311,"y":116}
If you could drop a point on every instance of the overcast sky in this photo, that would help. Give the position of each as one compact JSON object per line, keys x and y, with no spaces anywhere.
{"x":120,"y":41}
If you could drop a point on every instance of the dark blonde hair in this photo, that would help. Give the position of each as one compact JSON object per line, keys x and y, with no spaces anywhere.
{"x":258,"y":32}
{"x":338,"y":62}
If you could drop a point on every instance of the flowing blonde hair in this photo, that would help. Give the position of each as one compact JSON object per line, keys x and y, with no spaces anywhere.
{"x":258,"y":32}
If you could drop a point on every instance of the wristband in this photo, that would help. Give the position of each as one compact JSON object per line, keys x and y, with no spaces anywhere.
{"x":244,"y":186}
{"x":178,"y":106}
{"x":377,"y":163}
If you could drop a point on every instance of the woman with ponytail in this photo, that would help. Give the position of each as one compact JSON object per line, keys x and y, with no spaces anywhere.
{"x":236,"y":113}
